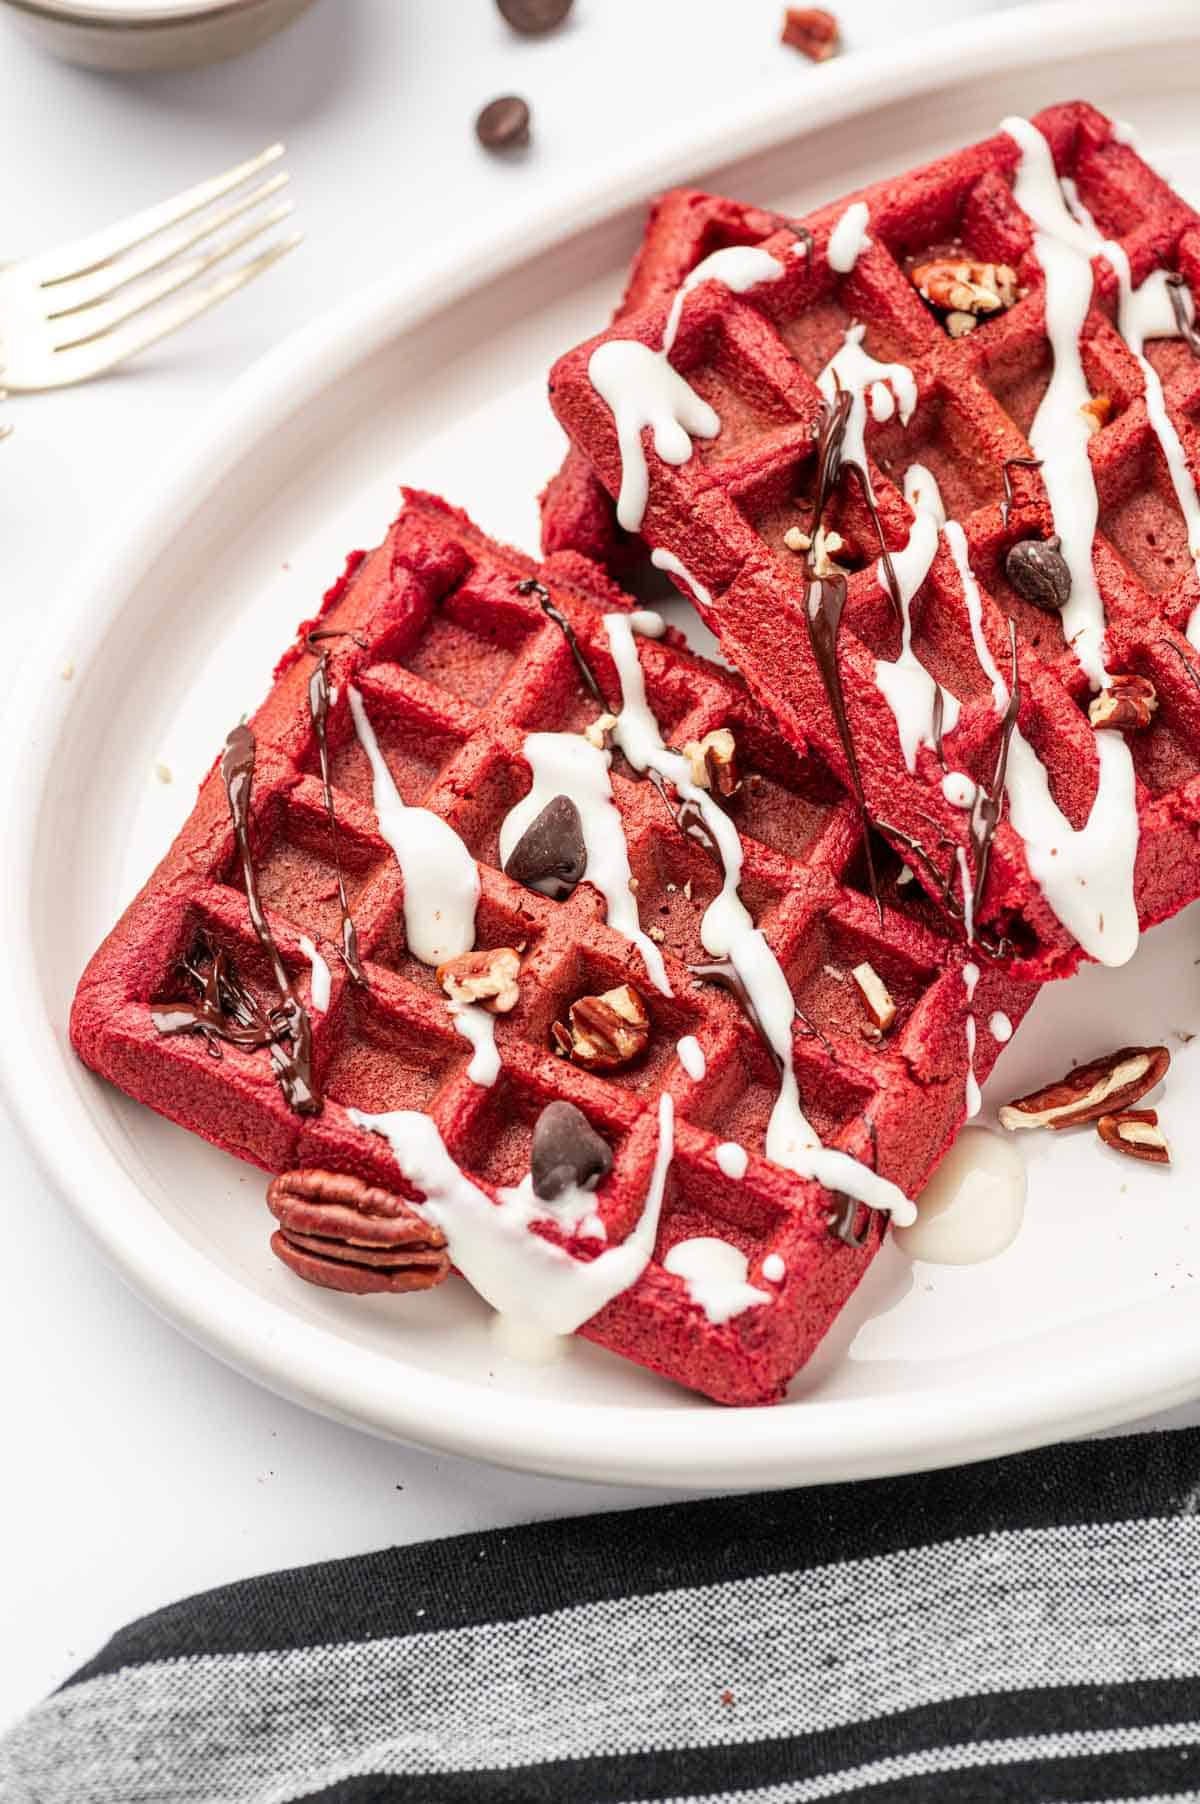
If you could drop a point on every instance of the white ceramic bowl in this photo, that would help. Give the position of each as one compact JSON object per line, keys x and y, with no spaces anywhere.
{"x":151,"y":34}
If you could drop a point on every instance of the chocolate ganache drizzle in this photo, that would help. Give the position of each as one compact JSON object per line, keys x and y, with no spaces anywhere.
{"x":529,"y":585}
{"x":1007,"y":467}
{"x":225,"y":1009}
{"x":318,"y":708}
{"x":1177,"y":289}
{"x":292,"y":1051}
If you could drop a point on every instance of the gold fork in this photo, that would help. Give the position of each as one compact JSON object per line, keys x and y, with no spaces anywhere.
{"x":78,"y":310}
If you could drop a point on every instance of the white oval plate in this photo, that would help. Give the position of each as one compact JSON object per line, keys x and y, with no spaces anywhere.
{"x":437,"y":377}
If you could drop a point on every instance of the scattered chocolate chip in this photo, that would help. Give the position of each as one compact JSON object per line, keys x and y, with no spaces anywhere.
{"x":533,"y":16}
{"x":566,"y":1151}
{"x":1038,"y":571}
{"x":550,"y":856}
{"x":503,"y":124}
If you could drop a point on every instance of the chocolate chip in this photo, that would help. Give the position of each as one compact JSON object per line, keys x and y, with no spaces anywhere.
{"x":1038,"y":572}
{"x":566,"y":1150}
{"x":534,"y":16}
{"x":503,"y":124}
{"x":550,"y":856}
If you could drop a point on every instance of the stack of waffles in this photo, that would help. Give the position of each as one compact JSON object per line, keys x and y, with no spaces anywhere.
{"x":512,"y":936}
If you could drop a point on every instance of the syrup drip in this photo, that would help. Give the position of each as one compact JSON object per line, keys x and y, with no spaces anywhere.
{"x":318,"y":708}
{"x":293,"y":1062}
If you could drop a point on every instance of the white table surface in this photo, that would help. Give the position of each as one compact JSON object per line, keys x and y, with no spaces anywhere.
{"x":137,"y":1469}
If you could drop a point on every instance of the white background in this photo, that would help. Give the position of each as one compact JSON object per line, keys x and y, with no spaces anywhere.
{"x":136,"y":1469}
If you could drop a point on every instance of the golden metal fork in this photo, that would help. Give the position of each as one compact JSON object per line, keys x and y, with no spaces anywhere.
{"x":75,"y":311}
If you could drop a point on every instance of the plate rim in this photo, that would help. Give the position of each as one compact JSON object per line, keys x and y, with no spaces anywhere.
{"x":319,"y":1368}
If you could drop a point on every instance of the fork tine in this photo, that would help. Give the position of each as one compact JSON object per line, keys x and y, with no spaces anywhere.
{"x":93,"y":252}
{"x":107,"y":317}
{"x":102,"y":284}
{"x":107,"y":349}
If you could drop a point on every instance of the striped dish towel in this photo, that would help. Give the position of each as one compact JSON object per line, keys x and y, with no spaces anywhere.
{"x":1026,"y":1629}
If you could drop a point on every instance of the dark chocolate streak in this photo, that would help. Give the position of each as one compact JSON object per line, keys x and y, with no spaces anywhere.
{"x":823,"y":613}
{"x":844,"y":1220}
{"x":726,"y":974}
{"x":293,"y":1060}
{"x":225,"y":1011}
{"x":689,"y":820}
{"x":318,"y":708}
{"x":831,"y":461}
{"x":1176,"y":287}
{"x":1014,"y":463}
{"x":1188,"y":666}
{"x":529,"y":585}
{"x":985,"y":815}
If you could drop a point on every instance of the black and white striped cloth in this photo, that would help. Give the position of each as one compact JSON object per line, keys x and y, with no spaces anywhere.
{"x":1027,"y":1629}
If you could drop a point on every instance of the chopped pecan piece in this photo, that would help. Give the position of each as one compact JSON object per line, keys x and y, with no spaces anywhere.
{"x":1129,"y":701}
{"x":1102,"y":1087}
{"x":958,"y":324}
{"x":811,"y":30}
{"x":489,"y":978}
{"x":338,"y":1231}
{"x":1097,"y":411}
{"x":1136,"y":1133}
{"x":714,"y":762}
{"x":604,"y":1032}
{"x":875,"y":994}
{"x":960,"y":285}
{"x":599,"y":731}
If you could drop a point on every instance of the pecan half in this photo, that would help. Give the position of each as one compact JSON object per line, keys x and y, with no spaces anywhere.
{"x":875,"y":994}
{"x":338,"y":1231}
{"x":811,"y":30}
{"x":960,"y":285}
{"x":489,"y":978}
{"x":714,"y":762}
{"x":598,"y":732}
{"x":1128,"y":702}
{"x":604,"y":1032}
{"x":1102,"y":1087}
{"x":1136,"y":1133}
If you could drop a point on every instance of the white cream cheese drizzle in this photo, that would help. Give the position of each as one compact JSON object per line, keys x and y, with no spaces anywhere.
{"x":904,"y":682}
{"x":666,"y":560}
{"x":774,"y":1268}
{"x":733,"y":1160}
{"x":322,"y":982}
{"x":727,"y":931}
{"x":958,"y":789}
{"x":848,"y":239}
{"x":519,"y":1273}
{"x":970,"y":975}
{"x":972,"y":1207}
{"x":643,"y":389}
{"x":479,"y":1027}
{"x":567,"y":764}
{"x":715,"y":1275}
{"x":441,"y":879}
{"x":853,"y":368}
{"x":1000,"y":1027}
{"x":691,"y":1057}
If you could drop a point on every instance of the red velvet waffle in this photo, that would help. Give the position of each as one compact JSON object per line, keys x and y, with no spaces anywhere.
{"x":725,"y":511}
{"x":684,"y":227}
{"x":456,"y":666}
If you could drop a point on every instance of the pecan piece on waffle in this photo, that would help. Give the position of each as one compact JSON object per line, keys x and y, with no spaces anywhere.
{"x":714,"y":762}
{"x":1097,"y":410}
{"x":604,"y":1033}
{"x":1136,"y":1133}
{"x":345,"y":1234}
{"x":961,"y":285}
{"x":1128,"y":702}
{"x":489,"y":978}
{"x":1104,"y":1086}
{"x":812,"y":31}
{"x":876,"y":995}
